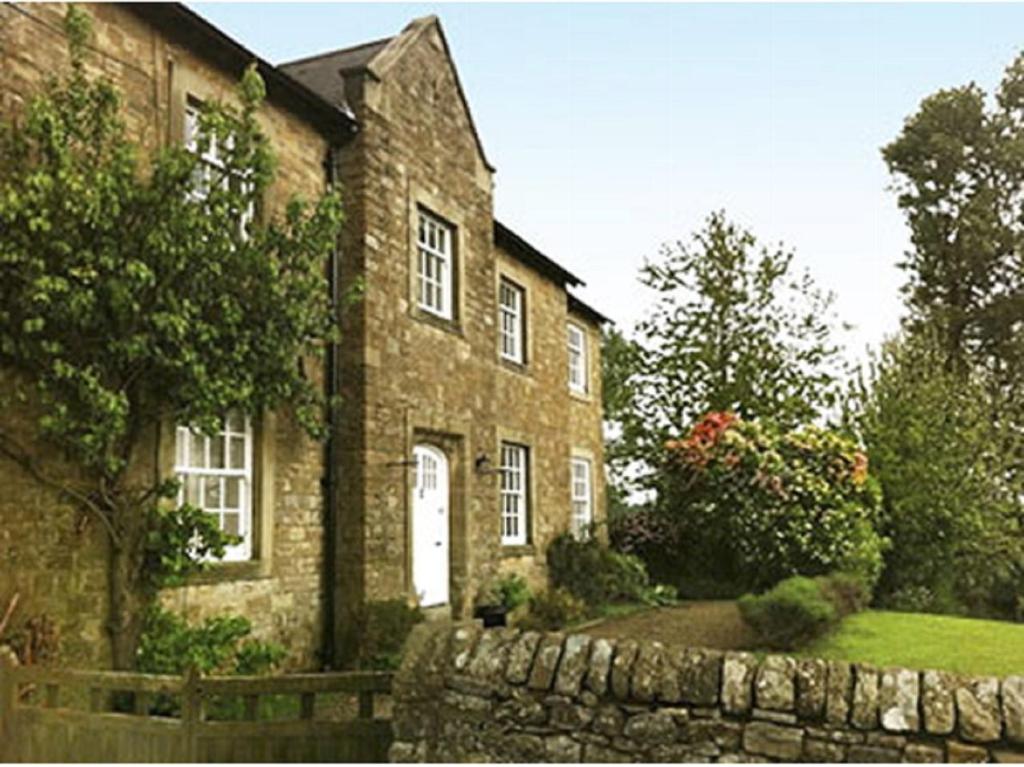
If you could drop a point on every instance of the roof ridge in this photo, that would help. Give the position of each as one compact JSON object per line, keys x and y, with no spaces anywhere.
{"x":336,"y":51}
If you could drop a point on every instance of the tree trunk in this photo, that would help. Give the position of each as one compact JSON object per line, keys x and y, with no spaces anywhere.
{"x":127,"y":602}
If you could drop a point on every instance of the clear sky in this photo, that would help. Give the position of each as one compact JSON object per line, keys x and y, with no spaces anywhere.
{"x":615,"y":128}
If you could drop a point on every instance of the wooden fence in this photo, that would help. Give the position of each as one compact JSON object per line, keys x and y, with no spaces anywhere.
{"x":51,"y":715}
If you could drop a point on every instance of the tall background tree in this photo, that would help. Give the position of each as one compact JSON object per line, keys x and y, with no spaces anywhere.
{"x":958,"y":169}
{"x":140,"y":291}
{"x":942,"y":408}
{"x":733,"y":327}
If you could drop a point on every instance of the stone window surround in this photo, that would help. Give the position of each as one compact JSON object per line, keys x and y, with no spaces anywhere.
{"x":419,"y":199}
{"x":587,"y":395}
{"x":260,"y":564}
{"x":522,"y":316}
{"x":533,"y":511}
{"x":186,"y":468}
{"x":435,"y":265}
{"x":521,"y":277}
{"x":587,"y":458}
{"x":186,"y":85}
{"x":518,"y":468}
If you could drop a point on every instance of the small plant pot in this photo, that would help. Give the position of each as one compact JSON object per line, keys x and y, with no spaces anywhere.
{"x":493,"y":616}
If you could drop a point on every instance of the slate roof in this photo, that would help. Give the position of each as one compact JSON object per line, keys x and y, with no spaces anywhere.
{"x":324,"y":72}
{"x":523,"y":251}
{"x":580,"y":307}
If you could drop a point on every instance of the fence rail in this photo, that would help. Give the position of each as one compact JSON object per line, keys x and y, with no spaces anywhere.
{"x":58,"y":715}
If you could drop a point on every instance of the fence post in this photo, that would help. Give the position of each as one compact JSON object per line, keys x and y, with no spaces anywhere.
{"x":8,"y":698}
{"x":191,"y":714}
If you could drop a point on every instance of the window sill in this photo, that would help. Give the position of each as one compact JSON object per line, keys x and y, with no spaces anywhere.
{"x":581,"y":396}
{"x":518,"y":550}
{"x":450,"y":326}
{"x":512,"y":366}
{"x":226,"y":572}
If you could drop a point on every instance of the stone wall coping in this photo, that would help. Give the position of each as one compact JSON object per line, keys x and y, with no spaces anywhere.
{"x":620,"y":697}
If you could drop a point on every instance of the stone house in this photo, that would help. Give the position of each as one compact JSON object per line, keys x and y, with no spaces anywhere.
{"x":470,"y":433}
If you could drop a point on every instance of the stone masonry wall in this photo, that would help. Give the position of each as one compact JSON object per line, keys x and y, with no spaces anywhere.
{"x":464,"y":694}
{"x":50,"y":554}
{"x":537,"y":409}
{"x":410,"y":378}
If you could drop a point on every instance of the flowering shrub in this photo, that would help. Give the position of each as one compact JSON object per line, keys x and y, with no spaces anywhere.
{"x":754,"y":505}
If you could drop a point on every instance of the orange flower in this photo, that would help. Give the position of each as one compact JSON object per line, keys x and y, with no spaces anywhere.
{"x":859,"y":475}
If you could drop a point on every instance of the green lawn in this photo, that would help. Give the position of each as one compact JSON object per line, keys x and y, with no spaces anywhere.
{"x":920,"y":641}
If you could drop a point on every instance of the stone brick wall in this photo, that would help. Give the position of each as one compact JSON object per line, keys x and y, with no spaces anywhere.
{"x":464,"y":694}
{"x":536,"y":407}
{"x":409,"y":378}
{"x":48,"y":553}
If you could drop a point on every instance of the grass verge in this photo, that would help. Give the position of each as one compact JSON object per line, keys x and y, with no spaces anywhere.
{"x":922,"y":641}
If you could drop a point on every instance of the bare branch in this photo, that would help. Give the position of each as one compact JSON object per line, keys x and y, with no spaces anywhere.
{"x":21,"y":457}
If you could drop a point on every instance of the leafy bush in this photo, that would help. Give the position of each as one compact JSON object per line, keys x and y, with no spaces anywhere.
{"x":218,"y":645}
{"x":939,"y":599}
{"x":792,"y":613}
{"x":847,"y":592}
{"x":660,"y":594}
{"x":510,"y":591}
{"x":553,"y":609}
{"x":653,"y":537}
{"x":383,"y":628}
{"x":750,"y":505}
{"x":592,"y":572}
{"x":182,"y":540}
{"x":514,"y":591}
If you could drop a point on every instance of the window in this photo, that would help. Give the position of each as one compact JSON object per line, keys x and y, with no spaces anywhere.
{"x":511,"y":321}
{"x":577,"y":359}
{"x":216,"y":476}
{"x":582,"y":507}
{"x":434,"y":241}
{"x":211,"y":168}
{"x":514,"y":476}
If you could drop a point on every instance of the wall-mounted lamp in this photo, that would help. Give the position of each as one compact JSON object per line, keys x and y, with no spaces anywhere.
{"x":482,"y":464}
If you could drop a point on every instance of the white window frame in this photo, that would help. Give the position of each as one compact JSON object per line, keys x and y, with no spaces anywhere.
{"x":212,"y":162}
{"x":512,"y":321}
{"x":435,"y":265}
{"x":197,"y":478}
{"x":515,"y":479}
{"x":582,"y":494}
{"x":577,"y":344}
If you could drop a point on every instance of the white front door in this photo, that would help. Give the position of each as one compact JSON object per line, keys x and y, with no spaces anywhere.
{"x":430,"y":526}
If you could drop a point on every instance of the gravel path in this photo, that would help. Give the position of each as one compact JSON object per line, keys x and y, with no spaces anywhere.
{"x":715,"y":624}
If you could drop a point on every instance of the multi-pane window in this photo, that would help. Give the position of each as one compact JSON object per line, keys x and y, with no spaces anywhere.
{"x":211,"y":169}
{"x":582,"y":504}
{"x":577,"y":358}
{"x":514,"y":483}
{"x":216,"y":476}
{"x":511,"y":321}
{"x":434,"y":243}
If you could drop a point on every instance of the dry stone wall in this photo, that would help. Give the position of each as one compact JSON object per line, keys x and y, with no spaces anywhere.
{"x":464,"y":694}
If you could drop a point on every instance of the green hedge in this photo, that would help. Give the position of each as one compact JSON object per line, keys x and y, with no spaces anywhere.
{"x":798,"y":610}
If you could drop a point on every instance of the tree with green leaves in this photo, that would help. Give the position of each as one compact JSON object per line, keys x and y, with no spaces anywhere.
{"x":949,"y":499}
{"x":141,"y":291}
{"x":958,"y":168}
{"x":620,"y":361}
{"x":732,"y":328}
